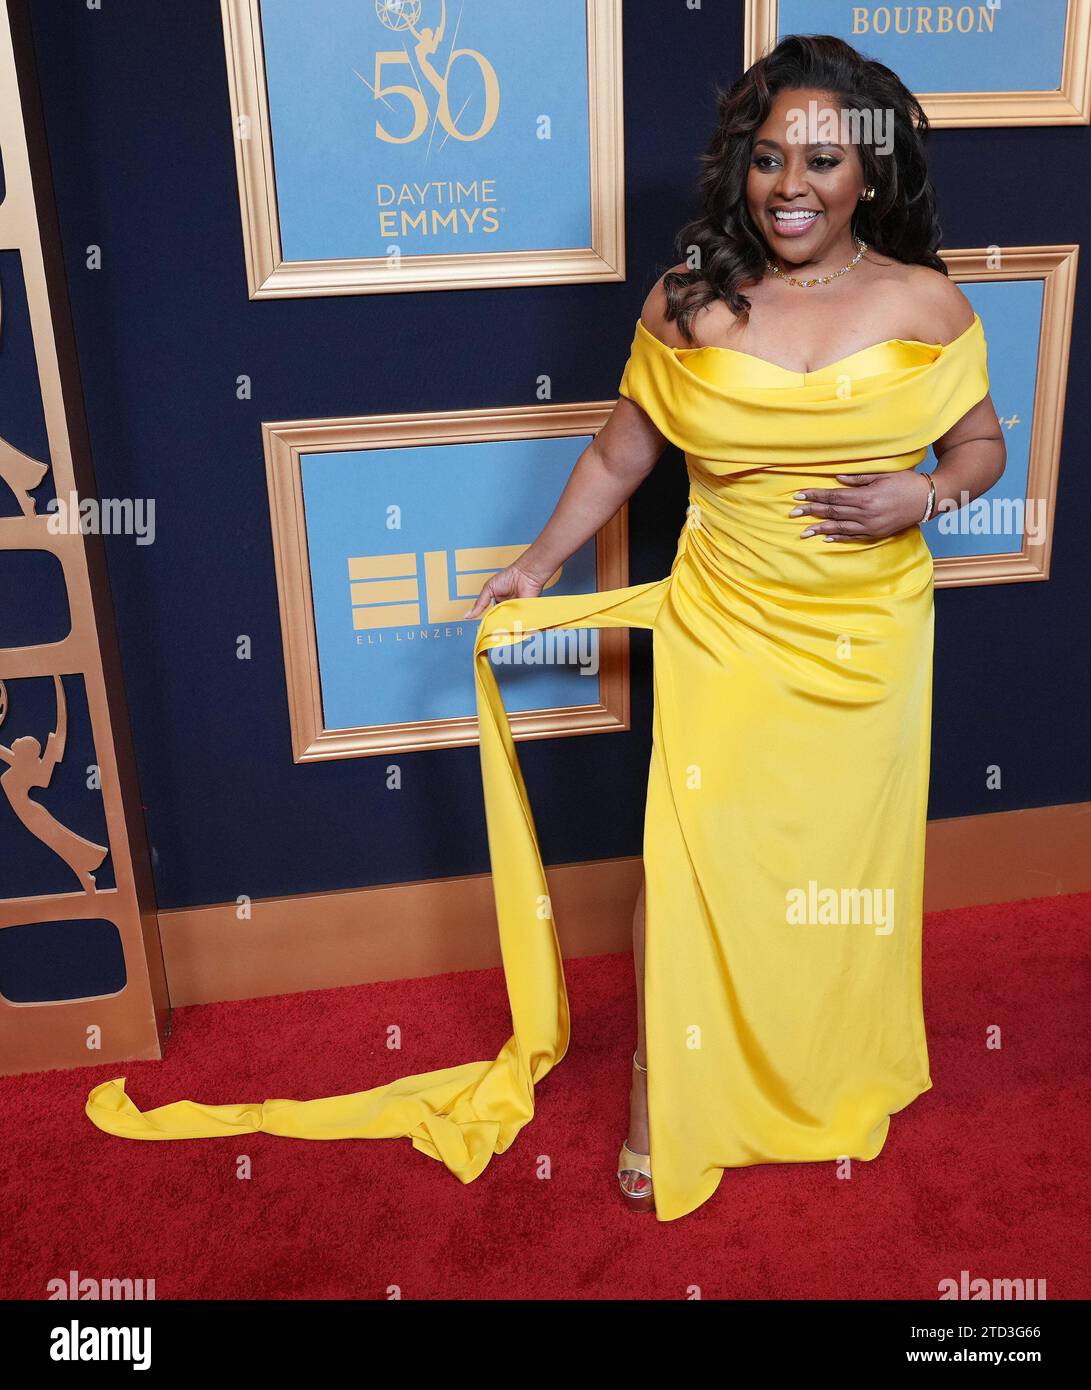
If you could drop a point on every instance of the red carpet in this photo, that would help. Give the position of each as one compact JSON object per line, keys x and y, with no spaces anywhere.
{"x":987,"y":1172}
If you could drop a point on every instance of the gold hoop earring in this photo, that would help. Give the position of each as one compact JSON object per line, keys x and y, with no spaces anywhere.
{"x":868,"y":195}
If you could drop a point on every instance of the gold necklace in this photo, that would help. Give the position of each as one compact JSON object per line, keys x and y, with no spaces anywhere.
{"x":819,"y":279}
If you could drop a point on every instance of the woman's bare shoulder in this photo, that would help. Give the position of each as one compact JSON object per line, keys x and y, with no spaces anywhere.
{"x":654,"y":312}
{"x":714,"y":318}
{"x":937,"y":308}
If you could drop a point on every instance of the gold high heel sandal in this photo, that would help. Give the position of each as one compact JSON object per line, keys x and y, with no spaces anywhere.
{"x":634,"y":1172}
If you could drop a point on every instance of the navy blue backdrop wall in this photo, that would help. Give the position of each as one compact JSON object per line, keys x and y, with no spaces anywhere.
{"x":140,"y":137}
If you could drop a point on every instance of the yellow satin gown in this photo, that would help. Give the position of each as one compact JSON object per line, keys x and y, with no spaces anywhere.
{"x":785,"y":822}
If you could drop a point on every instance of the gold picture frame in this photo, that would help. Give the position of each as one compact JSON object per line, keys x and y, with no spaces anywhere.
{"x":270,"y":276}
{"x":1056,"y":267}
{"x":1070,"y":104}
{"x":286,"y":441}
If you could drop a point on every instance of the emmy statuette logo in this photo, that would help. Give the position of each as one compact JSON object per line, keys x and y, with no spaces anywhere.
{"x":404,"y":16}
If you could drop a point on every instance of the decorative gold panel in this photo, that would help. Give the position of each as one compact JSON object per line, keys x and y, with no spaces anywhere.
{"x":133,"y":1022}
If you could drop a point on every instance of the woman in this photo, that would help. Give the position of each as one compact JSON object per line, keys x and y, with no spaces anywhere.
{"x":777,"y":933}
{"x":779,"y":210}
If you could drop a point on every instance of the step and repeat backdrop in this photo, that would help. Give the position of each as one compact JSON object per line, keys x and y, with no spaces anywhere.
{"x":352,"y":286}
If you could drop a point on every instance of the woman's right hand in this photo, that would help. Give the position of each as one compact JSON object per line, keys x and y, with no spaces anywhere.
{"x":512,"y":582}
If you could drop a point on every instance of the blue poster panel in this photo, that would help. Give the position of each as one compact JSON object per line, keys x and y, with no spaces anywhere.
{"x":400,"y":541}
{"x":994,"y":523}
{"x":990,"y":46}
{"x":428,"y":127}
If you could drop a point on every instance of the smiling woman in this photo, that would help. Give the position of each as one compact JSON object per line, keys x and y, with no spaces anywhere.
{"x":809,"y":332}
{"x":815,"y":147}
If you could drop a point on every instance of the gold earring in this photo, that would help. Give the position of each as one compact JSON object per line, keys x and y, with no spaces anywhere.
{"x":868,"y":194}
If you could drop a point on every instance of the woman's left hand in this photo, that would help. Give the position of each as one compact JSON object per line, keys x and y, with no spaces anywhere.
{"x":872,"y":506}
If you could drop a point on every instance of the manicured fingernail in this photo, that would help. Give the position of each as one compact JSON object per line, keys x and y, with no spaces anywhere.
{"x":799,"y":494}
{"x":809,"y":532}
{"x":827,"y":538}
{"x":796,"y":511}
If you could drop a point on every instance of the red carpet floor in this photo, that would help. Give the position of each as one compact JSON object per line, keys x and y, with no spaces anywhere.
{"x":987,"y":1172}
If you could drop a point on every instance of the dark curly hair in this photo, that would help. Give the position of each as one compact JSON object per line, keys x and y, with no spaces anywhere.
{"x":900,"y":222}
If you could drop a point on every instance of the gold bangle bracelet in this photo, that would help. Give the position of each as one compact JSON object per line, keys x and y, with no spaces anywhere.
{"x":931,"y":499}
